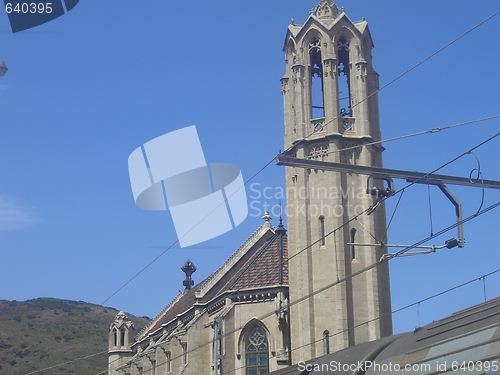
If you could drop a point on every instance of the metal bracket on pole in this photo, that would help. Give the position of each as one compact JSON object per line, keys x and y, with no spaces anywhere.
{"x":388,"y":174}
{"x":453,"y":199}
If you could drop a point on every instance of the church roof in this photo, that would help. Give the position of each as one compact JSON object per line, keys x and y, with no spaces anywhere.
{"x":262,"y":261}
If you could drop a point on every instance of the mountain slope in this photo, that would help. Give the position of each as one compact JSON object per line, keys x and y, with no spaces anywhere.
{"x":45,"y":332}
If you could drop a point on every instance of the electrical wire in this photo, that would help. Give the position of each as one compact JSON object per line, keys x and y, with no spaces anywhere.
{"x":392,"y":216}
{"x":430,"y":131}
{"x":479,"y":178}
{"x":66,"y":363}
{"x":175,"y":242}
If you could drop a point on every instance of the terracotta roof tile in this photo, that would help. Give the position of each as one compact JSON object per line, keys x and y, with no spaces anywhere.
{"x":260,"y":269}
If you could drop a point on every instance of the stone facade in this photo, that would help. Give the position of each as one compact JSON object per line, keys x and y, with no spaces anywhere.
{"x":331,"y":111}
{"x":242,"y":307}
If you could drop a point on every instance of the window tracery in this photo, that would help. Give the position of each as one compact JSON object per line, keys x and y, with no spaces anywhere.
{"x":257,"y":352}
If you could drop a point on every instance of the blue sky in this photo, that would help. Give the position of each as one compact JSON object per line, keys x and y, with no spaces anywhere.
{"x":85,"y":90}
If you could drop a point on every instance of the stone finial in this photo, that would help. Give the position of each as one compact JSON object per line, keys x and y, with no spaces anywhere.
{"x":188,"y":268}
{"x":267,"y":217}
{"x":281,"y":227}
{"x":326,"y":10}
{"x":121,"y":317}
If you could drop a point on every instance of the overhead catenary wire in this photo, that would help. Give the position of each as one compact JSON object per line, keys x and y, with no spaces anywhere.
{"x":430,"y":131}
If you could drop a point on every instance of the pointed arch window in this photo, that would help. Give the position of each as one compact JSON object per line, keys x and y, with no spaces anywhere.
{"x":316,"y":76}
{"x":122,"y":337}
{"x":344,"y":82}
{"x":326,"y":342}
{"x":353,"y":240}
{"x":257,"y":352}
{"x":322,"y":230}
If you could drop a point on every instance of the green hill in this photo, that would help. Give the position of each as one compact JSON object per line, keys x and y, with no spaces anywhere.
{"x":45,"y":332}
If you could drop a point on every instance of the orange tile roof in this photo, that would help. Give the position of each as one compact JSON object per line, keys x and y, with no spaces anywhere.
{"x":260,"y":269}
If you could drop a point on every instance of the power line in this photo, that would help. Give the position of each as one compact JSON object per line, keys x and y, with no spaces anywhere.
{"x":67,"y":362}
{"x":430,"y":131}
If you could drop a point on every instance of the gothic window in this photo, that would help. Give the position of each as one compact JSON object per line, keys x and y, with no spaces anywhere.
{"x":326,"y":342}
{"x":115,"y":336}
{"x":184,"y":352}
{"x":257,"y":352}
{"x":316,"y":76}
{"x":168,"y":359}
{"x":353,"y":247}
{"x":122,"y":337}
{"x":322,"y":230}
{"x":344,"y":81}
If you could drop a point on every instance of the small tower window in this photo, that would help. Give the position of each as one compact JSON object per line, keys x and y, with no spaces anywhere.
{"x":122,"y":337}
{"x":257,"y":352}
{"x":184,"y":353}
{"x":115,"y":336}
{"x":168,"y":359}
{"x":316,"y":73}
{"x":344,"y":77}
{"x":353,"y":240}
{"x":326,"y":342}
{"x":322,"y":230}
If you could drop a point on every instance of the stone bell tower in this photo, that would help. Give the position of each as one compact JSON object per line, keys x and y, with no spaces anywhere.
{"x":330,"y":106}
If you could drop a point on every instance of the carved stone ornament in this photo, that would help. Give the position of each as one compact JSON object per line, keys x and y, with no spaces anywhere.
{"x":318,"y":152}
{"x":284,"y":85}
{"x":326,"y":9}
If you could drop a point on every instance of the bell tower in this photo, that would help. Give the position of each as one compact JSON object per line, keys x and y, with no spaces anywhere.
{"x":331,"y":114}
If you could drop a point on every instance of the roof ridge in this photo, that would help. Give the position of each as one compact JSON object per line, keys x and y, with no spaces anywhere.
{"x":254,"y":235}
{"x":158,"y":316}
